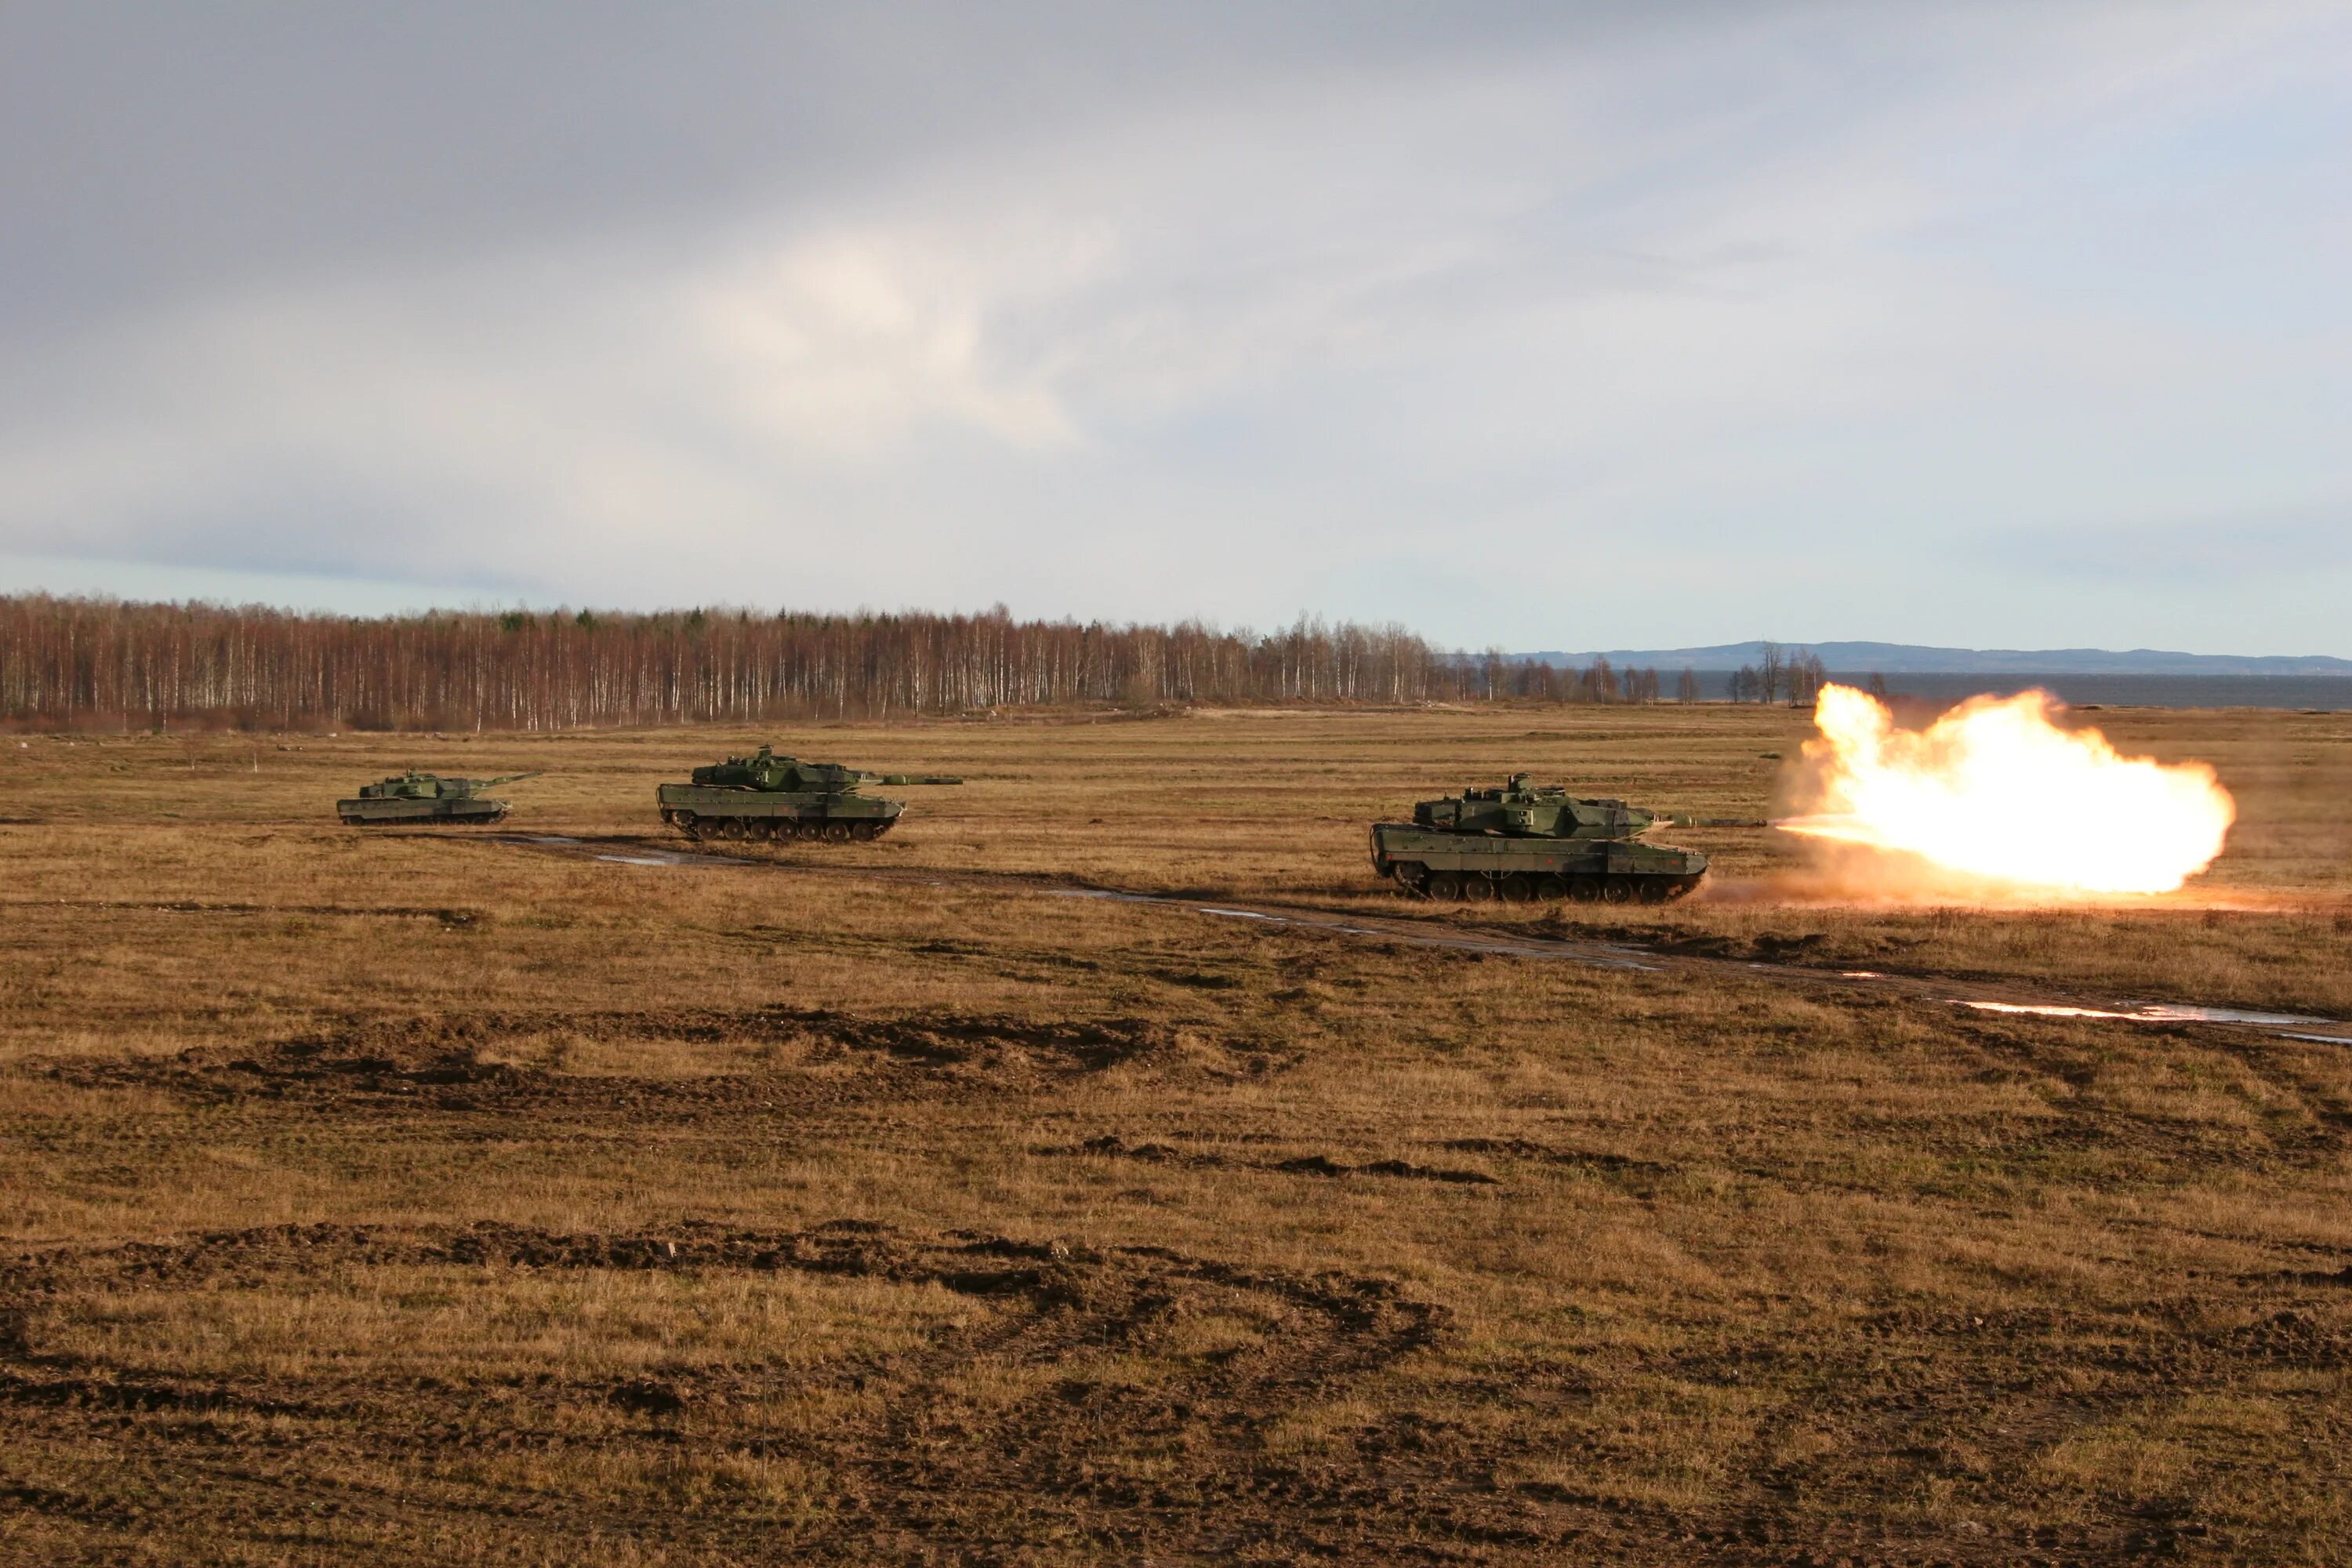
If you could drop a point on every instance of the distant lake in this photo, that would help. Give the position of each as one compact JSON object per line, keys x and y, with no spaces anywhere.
{"x":2332,"y":692}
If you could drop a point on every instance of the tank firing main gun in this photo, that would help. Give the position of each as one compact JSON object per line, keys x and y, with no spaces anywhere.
{"x":1524,"y":840}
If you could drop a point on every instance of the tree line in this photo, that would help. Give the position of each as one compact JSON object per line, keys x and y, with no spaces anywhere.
{"x":81,"y":661}
{"x":1794,"y":673}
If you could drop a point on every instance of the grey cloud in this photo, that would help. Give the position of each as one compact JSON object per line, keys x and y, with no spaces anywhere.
{"x":1408,"y":312}
{"x":150,"y":152}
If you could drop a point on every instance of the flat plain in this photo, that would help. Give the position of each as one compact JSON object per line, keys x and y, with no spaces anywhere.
{"x":460,"y":1195}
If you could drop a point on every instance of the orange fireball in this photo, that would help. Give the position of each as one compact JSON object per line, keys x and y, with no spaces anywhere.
{"x":1995,"y":790}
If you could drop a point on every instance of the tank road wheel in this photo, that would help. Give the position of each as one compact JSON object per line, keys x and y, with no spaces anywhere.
{"x":1444,"y":886}
{"x":1615,"y":890}
{"x":836,"y":833}
{"x":865,"y":832}
{"x":1551,"y":888}
{"x":1519,"y":887}
{"x":1657,"y":890}
{"x":760,"y":829}
{"x":732,"y":829}
{"x":1583,"y":890}
{"x":1477,"y":887}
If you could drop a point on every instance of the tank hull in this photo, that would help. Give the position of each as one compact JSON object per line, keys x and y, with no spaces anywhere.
{"x":718,"y":811}
{"x":375,"y":813}
{"x":1427,"y":863}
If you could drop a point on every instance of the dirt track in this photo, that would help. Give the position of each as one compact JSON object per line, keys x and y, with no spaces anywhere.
{"x":1502,"y":942}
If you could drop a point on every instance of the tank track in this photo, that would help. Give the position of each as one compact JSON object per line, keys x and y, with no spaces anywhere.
{"x":704,"y":829}
{"x":475,"y":819}
{"x":1528,"y":888}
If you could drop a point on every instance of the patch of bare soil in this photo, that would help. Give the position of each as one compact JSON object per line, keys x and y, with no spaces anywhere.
{"x":494,"y":1060}
{"x":1110,"y":1146}
{"x":1549,"y":1155}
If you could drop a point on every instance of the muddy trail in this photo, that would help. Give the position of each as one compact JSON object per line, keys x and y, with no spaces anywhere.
{"x":1287,"y":1417}
{"x":1690,"y":958}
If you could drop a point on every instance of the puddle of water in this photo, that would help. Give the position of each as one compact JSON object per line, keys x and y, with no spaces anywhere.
{"x":2174,"y":1012}
{"x":2152,"y":1013}
{"x":2039,"y":1010}
{"x":2184,"y":1013}
{"x":650,"y":858}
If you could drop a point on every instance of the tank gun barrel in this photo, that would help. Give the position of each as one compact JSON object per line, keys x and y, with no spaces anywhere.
{"x":1684,"y":819}
{"x":917,"y":779}
{"x":507,"y":779}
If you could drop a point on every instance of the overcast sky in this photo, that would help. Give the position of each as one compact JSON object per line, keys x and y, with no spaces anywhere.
{"x":1538,"y":325}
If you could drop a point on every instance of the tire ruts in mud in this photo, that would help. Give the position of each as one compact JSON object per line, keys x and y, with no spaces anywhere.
{"x":1071,"y":1455}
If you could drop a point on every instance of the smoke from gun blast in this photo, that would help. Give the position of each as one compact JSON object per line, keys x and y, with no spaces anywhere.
{"x":1995,"y":794}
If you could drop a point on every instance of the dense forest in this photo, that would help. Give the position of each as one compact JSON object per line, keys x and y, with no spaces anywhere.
{"x":99,"y":662}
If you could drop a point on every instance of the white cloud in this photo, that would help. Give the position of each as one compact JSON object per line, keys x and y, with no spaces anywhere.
{"x":851,"y":343}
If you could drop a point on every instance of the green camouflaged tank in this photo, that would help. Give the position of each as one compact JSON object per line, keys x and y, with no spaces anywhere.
{"x":765,"y":797}
{"x":1524,"y":842}
{"x":413,"y":797}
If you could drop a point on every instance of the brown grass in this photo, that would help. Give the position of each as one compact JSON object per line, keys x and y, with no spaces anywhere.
{"x":419,"y":1195}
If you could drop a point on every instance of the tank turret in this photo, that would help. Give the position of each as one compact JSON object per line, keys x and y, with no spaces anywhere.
{"x":1527,"y":810}
{"x":412,"y":797}
{"x":765,"y":797}
{"x":1523,"y":841}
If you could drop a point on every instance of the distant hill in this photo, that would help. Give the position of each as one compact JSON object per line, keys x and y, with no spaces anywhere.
{"x":1907,"y":659}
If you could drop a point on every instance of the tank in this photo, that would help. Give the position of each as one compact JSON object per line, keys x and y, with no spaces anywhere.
{"x":412,"y":797}
{"x":1524,"y":842}
{"x":767,"y":798}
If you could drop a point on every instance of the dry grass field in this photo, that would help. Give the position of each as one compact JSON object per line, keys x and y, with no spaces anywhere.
{"x":430,"y":1197}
